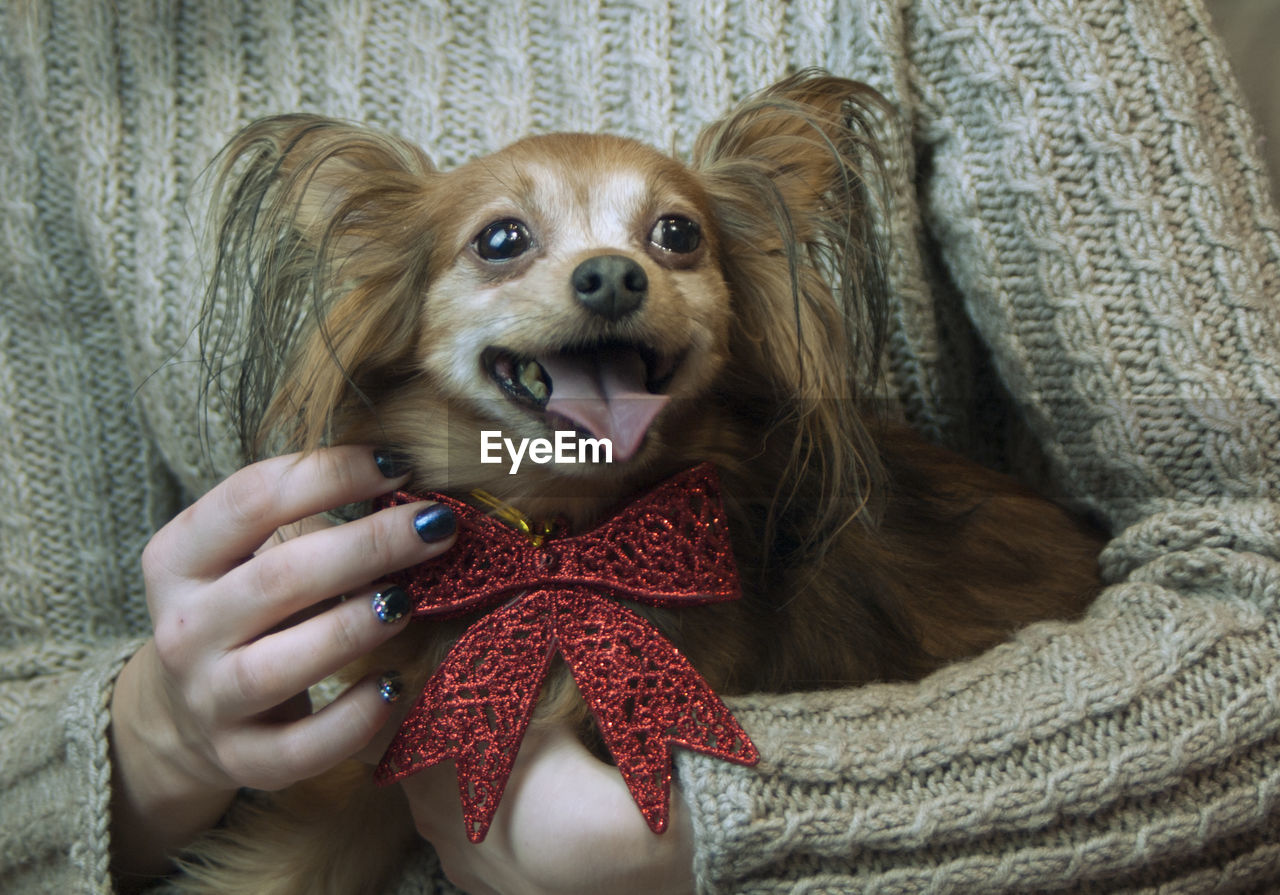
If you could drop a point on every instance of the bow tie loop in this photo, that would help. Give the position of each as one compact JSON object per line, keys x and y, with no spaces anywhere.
{"x":669,"y":547}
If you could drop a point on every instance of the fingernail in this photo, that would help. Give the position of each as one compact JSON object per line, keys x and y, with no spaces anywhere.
{"x":389,"y":687}
{"x":390,"y":464}
{"x":435,"y":523}
{"x":391,"y":605}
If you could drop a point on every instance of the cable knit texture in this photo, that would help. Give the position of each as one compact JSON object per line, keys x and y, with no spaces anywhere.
{"x":1083,"y":242}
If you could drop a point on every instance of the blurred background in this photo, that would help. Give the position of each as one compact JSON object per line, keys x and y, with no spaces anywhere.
{"x":1251,"y":31}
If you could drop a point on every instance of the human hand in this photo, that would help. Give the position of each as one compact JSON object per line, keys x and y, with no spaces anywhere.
{"x":217,"y":699}
{"x":566,"y":825}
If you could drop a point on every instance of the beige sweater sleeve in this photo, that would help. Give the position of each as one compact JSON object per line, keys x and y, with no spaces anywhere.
{"x":56,"y":776}
{"x":1096,"y":197}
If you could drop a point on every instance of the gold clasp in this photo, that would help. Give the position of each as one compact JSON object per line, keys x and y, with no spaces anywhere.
{"x":536,"y":532}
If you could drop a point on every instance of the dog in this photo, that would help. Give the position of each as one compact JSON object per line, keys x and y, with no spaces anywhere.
{"x":730,"y":309}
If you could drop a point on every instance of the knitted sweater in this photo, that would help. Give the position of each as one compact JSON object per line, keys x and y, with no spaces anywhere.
{"x":1083,"y":245}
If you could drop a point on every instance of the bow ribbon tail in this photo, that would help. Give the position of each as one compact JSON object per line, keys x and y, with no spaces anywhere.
{"x":646,"y":697}
{"x":476,"y":706}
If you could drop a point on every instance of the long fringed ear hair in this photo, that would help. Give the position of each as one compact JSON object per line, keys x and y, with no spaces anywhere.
{"x":792,"y":175}
{"x":317,"y":279}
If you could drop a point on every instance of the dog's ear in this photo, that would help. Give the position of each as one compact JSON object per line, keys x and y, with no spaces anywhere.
{"x":793,"y":176}
{"x":317,"y":275}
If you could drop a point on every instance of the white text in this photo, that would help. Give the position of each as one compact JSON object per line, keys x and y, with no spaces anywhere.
{"x":567,"y":447}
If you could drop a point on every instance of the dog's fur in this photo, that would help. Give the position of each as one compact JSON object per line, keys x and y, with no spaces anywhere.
{"x":349,"y":286}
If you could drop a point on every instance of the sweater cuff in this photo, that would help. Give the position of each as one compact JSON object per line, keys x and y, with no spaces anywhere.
{"x":57,"y":778}
{"x":86,"y":719}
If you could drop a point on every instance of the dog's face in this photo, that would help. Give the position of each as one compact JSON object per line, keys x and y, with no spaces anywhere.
{"x":576,"y":286}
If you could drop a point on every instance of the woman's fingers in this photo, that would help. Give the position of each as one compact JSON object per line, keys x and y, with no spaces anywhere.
{"x":280,"y":582}
{"x":271,"y":669}
{"x":240,"y":637}
{"x":227,"y":525}
{"x":271,"y":756}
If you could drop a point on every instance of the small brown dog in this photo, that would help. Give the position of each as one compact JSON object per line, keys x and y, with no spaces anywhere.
{"x":729,"y":310}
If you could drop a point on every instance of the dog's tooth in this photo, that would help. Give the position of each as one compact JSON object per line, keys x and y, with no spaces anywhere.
{"x":530,"y":369}
{"x":531,"y":378}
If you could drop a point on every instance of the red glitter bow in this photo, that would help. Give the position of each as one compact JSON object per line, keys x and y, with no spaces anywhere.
{"x":670,"y":547}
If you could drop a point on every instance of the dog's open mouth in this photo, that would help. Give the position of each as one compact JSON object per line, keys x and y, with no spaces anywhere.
{"x":610,"y":390}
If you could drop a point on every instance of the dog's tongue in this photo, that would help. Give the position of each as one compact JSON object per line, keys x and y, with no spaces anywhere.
{"x":604,"y":393}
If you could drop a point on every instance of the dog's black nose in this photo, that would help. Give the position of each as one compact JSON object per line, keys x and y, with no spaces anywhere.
{"x":612,"y":286}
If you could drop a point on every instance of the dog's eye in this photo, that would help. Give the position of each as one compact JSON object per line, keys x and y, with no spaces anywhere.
{"x":676,"y":234}
{"x":503,"y":240}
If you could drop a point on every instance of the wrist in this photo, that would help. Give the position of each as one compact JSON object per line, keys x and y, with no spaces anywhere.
{"x":158,"y":804}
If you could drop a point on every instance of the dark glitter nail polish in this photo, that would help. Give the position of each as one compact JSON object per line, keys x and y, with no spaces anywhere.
{"x":435,"y":523}
{"x":391,"y":605}
{"x":390,"y":464}
{"x":389,"y":687}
